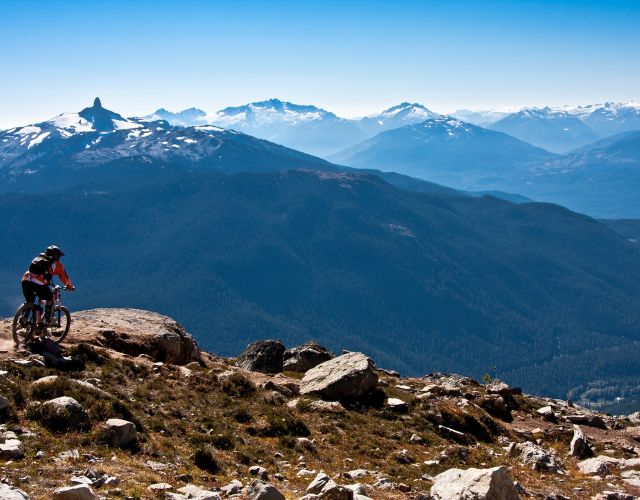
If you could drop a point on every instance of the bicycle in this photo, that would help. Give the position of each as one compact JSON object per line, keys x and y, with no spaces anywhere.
{"x":25,"y":321}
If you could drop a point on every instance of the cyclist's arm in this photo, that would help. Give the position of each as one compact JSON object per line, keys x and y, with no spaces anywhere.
{"x":59,"y":271}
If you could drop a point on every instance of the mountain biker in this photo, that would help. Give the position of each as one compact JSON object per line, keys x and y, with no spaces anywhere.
{"x":35,"y":282}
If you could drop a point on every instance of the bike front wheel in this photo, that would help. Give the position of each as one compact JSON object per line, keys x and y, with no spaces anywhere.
{"x":60,"y":324}
{"x":24,"y":324}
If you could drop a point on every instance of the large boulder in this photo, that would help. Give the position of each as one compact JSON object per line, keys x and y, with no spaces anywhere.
{"x":62,"y":414}
{"x":345,"y":378}
{"x":306,"y":356}
{"x":474,"y":484}
{"x":264,"y":356}
{"x":599,"y":466}
{"x":135,"y":332}
{"x":119,"y":433}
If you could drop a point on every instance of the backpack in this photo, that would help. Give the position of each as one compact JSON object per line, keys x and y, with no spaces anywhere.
{"x":40,"y":265}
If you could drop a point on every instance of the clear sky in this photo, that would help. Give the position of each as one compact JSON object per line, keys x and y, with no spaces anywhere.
{"x":350,"y":57}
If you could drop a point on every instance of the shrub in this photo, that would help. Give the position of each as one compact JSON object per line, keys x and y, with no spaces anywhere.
{"x":238,"y":386}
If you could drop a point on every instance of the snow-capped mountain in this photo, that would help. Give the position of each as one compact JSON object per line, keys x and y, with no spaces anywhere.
{"x":445,"y":150}
{"x":397,"y":116}
{"x":480,"y":118}
{"x":556,"y":131}
{"x":609,"y":118}
{"x":73,"y":142}
{"x":305,"y":128}
{"x":185,"y":118}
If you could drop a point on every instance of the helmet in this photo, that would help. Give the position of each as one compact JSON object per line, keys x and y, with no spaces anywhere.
{"x":54,"y":251}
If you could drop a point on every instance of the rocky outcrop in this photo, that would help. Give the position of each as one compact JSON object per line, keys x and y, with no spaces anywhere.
{"x":264,"y":356}
{"x":306,"y":356}
{"x":345,"y":378}
{"x":77,"y":492}
{"x":474,"y":484}
{"x":135,"y":332}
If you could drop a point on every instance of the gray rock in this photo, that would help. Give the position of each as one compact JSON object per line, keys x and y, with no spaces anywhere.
{"x":63,"y":413}
{"x":4,"y":403}
{"x":327,"y":406}
{"x":259,"y":490}
{"x":10,"y":493}
{"x":579,"y":447}
{"x":538,"y":458}
{"x":613,"y":495}
{"x":599,"y":466}
{"x":320,"y":483}
{"x":260,"y":472}
{"x":11,"y":449}
{"x":193,"y":492}
{"x":77,"y":492}
{"x":631,"y":477}
{"x":474,"y":484}
{"x":233,"y":488}
{"x":590,"y":420}
{"x":547,"y":413}
{"x":119,"y":433}
{"x":306,"y":356}
{"x":346,"y":378}
{"x":397,"y":405}
{"x":264,"y":356}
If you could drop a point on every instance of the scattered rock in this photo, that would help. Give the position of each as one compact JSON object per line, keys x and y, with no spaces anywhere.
{"x":631,"y":477}
{"x":613,"y":495}
{"x":264,"y":356}
{"x":327,"y":406}
{"x":260,"y":472}
{"x":10,"y":493}
{"x":547,"y":413}
{"x":589,"y":420}
{"x":346,"y":378}
{"x":4,"y":403}
{"x":233,"y":488}
{"x":78,"y":384}
{"x":474,"y":484}
{"x":579,"y":447}
{"x":598,"y":466}
{"x":259,"y":490}
{"x":416,"y":439}
{"x":11,"y":449}
{"x":320,"y":483}
{"x":404,"y":457}
{"x":495,"y":406}
{"x":306,"y":356}
{"x":397,"y":405}
{"x":159,"y":487}
{"x":77,"y":492}
{"x":119,"y":433}
{"x":62,"y":414}
{"x":538,"y":458}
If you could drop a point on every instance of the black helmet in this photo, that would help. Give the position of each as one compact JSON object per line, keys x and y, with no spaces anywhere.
{"x":54,"y":251}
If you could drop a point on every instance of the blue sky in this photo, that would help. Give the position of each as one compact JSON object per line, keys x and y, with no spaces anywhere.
{"x":351,"y":57}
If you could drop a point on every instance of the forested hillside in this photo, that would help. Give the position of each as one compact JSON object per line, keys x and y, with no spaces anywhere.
{"x":533,"y":293}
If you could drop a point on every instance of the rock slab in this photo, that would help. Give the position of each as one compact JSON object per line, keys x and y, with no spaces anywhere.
{"x":306,"y":356}
{"x":119,"y":433}
{"x":474,"y":484}
{"x":345,"y":378}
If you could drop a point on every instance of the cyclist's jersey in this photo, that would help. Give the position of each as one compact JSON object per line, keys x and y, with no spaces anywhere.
{"x":56,"y":269}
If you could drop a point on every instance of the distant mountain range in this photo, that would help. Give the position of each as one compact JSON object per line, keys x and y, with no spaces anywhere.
{"x":600,"y":179}
{"x":447,"y":151}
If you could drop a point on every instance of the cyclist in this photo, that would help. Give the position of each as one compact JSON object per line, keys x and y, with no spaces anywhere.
{"x":35,"y":282}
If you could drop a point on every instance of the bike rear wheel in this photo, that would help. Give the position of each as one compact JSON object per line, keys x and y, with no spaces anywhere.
{"x":60,"y":324}
{"x":24,"y":324}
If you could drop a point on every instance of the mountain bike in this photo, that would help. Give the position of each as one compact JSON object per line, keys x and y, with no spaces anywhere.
{"x":25,"y":322}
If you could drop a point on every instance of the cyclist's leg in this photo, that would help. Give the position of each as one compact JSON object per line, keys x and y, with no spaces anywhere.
{"x":29,"y":291}
{"x":46,"y":299}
